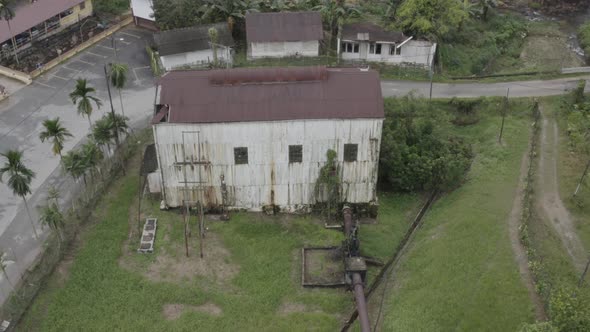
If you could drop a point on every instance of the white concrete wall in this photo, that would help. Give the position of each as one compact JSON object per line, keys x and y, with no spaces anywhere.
{"x":282,"y":49}
{"x":197,"y":57}
{"x":412,"y":52}
{"x":268,"y":178}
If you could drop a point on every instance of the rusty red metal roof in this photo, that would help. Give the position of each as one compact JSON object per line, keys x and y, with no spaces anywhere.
{"x":29,"y":14}
{"x":283,"y":26}
{"x":331,"y":93}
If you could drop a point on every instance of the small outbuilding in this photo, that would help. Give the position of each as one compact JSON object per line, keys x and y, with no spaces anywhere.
{"x":258,"y":137}
{"x":192,"y":46}
{"x":143,"y":14}
{"x":283,"y":34}
{"x":370,"y":42}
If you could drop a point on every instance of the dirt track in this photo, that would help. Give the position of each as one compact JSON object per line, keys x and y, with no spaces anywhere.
{"x":549,"y":203}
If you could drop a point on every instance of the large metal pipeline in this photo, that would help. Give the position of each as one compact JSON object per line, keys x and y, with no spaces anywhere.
{"x":357,"y":280}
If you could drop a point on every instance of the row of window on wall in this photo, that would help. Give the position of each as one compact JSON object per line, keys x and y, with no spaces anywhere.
{"x":374,"y":48}
{"x":295,"y":154}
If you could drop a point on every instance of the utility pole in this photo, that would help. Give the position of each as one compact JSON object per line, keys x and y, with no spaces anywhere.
{"x":582,"y":178}
{"x":584,"y":273}
{"x":504,"y":111}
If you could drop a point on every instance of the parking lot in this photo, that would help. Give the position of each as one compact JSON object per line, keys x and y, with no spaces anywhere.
{"x":21,"y":117}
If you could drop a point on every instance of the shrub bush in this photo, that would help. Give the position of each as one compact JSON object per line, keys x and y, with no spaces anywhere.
{"x":584,"y":38}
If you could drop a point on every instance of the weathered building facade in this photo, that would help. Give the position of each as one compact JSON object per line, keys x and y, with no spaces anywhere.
{"x":283,"y":34}
{"x":369,"y":42}
{"x":266,"y":132}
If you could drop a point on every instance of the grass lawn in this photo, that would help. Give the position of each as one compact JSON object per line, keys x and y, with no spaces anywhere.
{"x":459,"y":273}
{"x":249,"y":279}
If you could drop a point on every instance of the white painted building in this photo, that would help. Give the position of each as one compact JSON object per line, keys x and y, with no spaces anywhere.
{"x":369,"y":42}
{"x":267,"y":132}
{"x":283,"y":34}
{"x":143,"y":14}
{"x":180,"y":48}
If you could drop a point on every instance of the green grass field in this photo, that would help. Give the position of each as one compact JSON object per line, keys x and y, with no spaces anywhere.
{"x":459,"y":273}
{"x":261,"y":292}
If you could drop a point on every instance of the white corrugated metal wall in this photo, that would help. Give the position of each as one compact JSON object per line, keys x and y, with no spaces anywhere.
{"x":268,"y":178}
{"x":283,"y":49}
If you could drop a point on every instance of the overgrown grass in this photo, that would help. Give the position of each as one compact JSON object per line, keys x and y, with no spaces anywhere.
{"x":460,"y":270}
{"x":101,"y":295}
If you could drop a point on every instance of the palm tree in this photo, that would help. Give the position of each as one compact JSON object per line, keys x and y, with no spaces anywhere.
{"x":117,"y":124}
{"x":7,"y":14}
{"x":57,"y":134}
{"x":19,"y":178}
{"x":213,"y":37}
{"x":334,"y":12}
{"x":92,"y":155}
{"x":75,"y":164}
{"x":102,"y":134}
{"x":119,"y":79}
{"x":81,"y":94}
{"x":228,"y":10}
{"x":52,"y":217}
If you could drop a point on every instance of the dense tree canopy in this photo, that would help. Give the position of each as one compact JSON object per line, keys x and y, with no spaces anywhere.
{"x":431,"y":18}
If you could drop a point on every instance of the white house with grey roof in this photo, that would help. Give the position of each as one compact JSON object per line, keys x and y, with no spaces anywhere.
{"x":370,"y":42}
{"x":186,"y":47}
{"x":283,"y":34}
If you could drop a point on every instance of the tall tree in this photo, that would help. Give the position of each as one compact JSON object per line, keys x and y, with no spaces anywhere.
{"x":118,"y":77}
{"x":74,"y":163}
{"x":431,"y":18}
{"x":55,"y":132}
{"x":231,"y":11}
{"x":52,"y":217}
{"x":82,"y":95}
{"x":213,"y":37}
{"x":7,"y":14}
{"x":334,"y":12}
{"x":117,"y":124}
{"x":92,"y":155}
{"x":19,"y":178}
{"x":102,"y":134}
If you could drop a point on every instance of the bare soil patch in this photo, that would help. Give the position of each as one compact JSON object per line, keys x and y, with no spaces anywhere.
{"x":174,"y":311}
{"x":174,"y":266}
{"x":549,"y":202}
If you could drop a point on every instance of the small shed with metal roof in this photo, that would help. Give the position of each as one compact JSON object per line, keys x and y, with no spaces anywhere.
{"x":266,"y":132}
{"x":186,"y":47}
{"x":283,"y":34}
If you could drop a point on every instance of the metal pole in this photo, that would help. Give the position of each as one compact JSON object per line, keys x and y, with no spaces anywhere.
{"x":185,"y":201}
{"x":584,"y":273}
{"x":582,"y":178}
{"x":504,"y":111}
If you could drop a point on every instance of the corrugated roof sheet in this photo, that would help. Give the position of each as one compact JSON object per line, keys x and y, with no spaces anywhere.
{"x":28,"y":15}
{"x":143,"y":9}
{"x":374,"y":32}
{"x":283,"y":26}
{"x":191,"y":39}
{"x":335,"y":93}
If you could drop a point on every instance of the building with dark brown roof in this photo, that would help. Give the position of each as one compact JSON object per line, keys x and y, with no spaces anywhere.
{"x":39,"y":19}
{"x":192,"y":46}
{"x":267,"y":132}
{"x":283,"y":34}
{"x":370,"y":42}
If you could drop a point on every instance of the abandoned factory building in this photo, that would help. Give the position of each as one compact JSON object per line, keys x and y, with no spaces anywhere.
{"x":266,"y":132}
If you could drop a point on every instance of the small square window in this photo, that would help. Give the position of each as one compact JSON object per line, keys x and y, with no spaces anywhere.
{"x":295,"y":153}
{"x":350,"y":152}
{"x":240,"y":156}
{"x":356,"y":48}
{"x":398,"y":50}
{"x":378,"y":48}
{"x":372,"y":48}
{"x":392,"y":49}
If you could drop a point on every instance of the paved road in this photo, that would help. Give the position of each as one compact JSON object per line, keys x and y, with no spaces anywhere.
{"x":21,"y":118}
{"x":449,"y":90}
